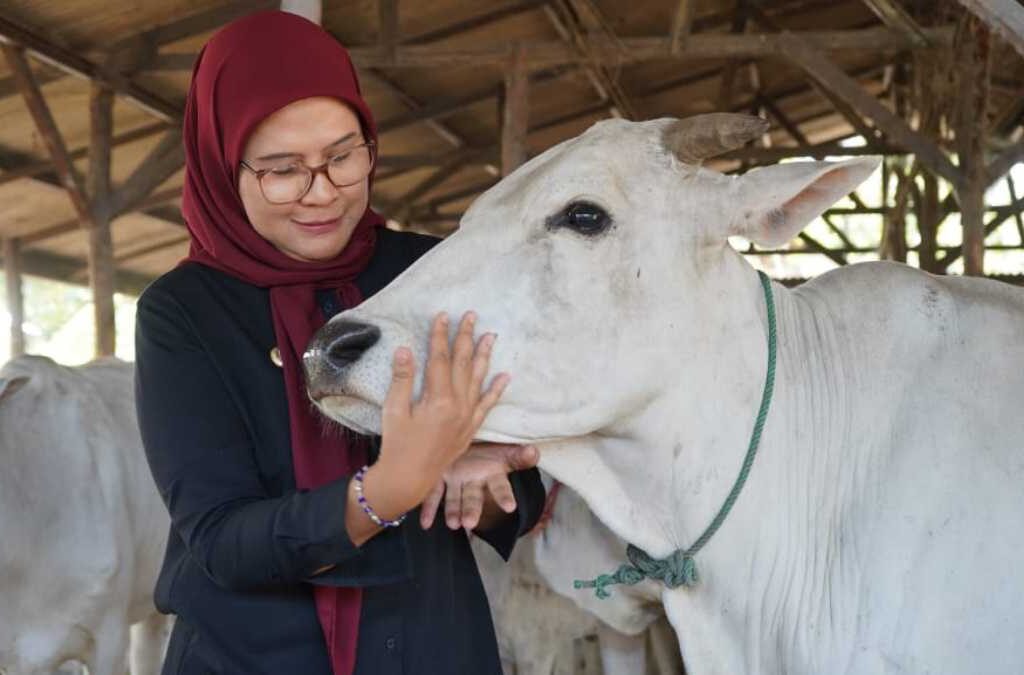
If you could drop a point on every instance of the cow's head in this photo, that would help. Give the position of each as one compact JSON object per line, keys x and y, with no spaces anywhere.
{"x":600,"y":264}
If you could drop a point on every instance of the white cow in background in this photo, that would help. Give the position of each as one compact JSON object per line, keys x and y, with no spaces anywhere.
{"x":82,"y":527}
{"x":879,"y":530}
{"x":538,"y":617}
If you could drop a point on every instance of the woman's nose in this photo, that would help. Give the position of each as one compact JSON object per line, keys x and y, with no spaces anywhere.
{"x":322,"y":191}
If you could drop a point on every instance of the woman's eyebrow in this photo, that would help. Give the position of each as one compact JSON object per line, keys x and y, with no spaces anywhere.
{"x":284,"y":155}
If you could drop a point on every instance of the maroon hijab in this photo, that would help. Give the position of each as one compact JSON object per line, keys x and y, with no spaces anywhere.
{"x":249,"y":69}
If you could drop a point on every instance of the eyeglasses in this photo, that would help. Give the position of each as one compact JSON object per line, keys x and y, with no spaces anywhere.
{"x":290,"y":183}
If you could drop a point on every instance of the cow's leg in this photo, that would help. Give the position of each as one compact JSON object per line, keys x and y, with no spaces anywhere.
{"x":621,"y":654}
{"x":110,"y":656}
{"x":149,"y":644}
{"x":663,"y":649}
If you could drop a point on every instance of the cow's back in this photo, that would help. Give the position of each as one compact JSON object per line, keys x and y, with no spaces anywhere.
{"x":935,"y":370}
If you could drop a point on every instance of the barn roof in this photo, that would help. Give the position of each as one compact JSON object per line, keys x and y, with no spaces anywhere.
{"x":434,"y":74}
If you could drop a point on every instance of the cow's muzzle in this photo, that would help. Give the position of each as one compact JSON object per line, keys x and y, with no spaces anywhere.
{"x":332,"y":349}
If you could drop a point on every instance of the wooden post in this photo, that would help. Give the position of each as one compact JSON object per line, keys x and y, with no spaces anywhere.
{"x":15,"y":299}
{"x":894,"y":221}
{"x":516,"y":110}
{"x":101,"y":247}
{"x":928,"y":224}
{"x":971,"y":122}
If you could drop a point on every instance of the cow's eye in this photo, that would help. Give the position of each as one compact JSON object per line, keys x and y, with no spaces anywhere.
{"x":583,"y":217}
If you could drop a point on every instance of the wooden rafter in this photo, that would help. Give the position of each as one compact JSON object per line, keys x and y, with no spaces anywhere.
{"x":150,"y":206}
{"x":387,"y":27}
{"x":640,"y":49}
{"x":1004,"y":161}
{"x":65,"y":268}
{"x":564,"y":16}
{"x":16,"y":165}
{"x":163,"y":161}
{"x":682,"y":25}
{"x":405,"y":202}
{"x":831,"y":78}
{"x":12,"y":35}
{"x":40,"y":111}
{"x":894,"y":16}
{"x":1004,"y":17}
{"x":515,"y":112}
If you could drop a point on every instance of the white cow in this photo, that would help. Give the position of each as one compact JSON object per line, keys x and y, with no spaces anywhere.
{"x":879,"y":530}
{"x":538,"y":617}
{"x":81,"y":523}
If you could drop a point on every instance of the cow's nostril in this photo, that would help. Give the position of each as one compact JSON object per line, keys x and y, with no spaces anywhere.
{"x":349,"y":342}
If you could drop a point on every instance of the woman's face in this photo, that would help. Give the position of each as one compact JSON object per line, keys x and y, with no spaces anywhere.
{"x":311,"y":131}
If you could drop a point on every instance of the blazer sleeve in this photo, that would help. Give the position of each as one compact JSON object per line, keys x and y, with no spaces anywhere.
{"x":530,"y":496}
{"x":202,"y":459}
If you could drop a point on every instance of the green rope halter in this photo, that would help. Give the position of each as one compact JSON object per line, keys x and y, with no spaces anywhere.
{"x":679,"y":569}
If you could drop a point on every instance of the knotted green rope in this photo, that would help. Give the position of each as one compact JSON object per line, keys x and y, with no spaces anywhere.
{"x":679,"y":569}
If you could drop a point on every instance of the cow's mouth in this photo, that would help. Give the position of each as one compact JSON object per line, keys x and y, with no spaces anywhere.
{"x":364,"y":417}
{"x":355,"y":413}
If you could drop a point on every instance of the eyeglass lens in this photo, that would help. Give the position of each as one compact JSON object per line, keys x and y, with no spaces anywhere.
{"x":289,"y":183}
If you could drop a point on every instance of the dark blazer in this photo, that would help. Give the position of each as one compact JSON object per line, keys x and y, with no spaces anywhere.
{"x":244,"y":542}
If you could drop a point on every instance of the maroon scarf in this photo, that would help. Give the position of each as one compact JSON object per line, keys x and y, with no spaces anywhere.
{"x":248,"y":70}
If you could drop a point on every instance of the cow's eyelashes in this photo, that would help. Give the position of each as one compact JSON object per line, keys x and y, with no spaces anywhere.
{"x":583,"y":217}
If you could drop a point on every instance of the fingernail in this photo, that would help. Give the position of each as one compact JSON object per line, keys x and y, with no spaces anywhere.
{"x":444,"y":318}
{"x":508,"y":507}
{"x":470,"y":317}
{"x":402,"y":355}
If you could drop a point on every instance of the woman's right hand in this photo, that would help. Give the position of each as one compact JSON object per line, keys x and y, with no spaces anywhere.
{"x":420,"y":439}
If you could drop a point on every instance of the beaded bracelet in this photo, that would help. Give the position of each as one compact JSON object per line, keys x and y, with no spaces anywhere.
{"x":381,"y":522}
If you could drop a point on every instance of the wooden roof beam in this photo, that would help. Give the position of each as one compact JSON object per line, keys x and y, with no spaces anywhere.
{"x":11,"y":35}
{"x":65,"y":268}
{"x":150,"y":206}
{"x":1001,"y":165}
{"x":69,"y":177}
{"x":1004,"y":17}
{"x":894,"y":16}
{"x":387,"y":27}
{"x":636,"y":50}
{"x":162,"y":162}
{"x":831,"y":78}
{"x":682,"y":25}
{"x":17,"y":165}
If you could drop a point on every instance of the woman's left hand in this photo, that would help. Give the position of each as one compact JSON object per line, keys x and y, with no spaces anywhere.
{"x":476,"y":480}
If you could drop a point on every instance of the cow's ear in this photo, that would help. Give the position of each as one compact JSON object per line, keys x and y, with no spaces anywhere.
{"x":9,"y":386}
{"x":778,"y":201}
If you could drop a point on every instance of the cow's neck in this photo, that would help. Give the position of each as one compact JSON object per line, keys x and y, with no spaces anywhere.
{"x":782,"y":537}
{"x":693,"y":440}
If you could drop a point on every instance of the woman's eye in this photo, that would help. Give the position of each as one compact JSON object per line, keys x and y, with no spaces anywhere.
{"x":284,"y":170}
{"x":340,"y":159}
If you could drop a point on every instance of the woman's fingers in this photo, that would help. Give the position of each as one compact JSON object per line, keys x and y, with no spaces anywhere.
{"x":462,"y":357}
{"x":428,"y":511}
{"x":489,"y":398}
{"x":437,"y":379}
{"x":453,"y":505}
{"x":403,"y":374}
{"x":481,"y":362}
{"x":472,"y":504}
{"x":501,"y":492}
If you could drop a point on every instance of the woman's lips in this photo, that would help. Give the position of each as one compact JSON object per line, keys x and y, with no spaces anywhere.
{"x":318,"y":226}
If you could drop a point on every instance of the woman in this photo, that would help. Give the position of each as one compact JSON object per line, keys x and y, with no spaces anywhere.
{"x":283,"y":556}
